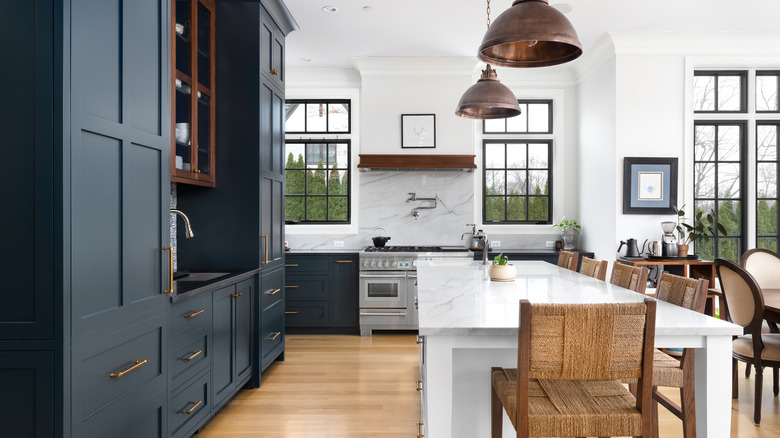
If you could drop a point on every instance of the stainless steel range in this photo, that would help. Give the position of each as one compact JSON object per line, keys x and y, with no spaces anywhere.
{"x":388,"y":284}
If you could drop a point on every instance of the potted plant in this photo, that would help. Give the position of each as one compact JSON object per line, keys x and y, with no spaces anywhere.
{"x":699,"y":230}
{"x":569,"y":230}
{"x":501,"y":269}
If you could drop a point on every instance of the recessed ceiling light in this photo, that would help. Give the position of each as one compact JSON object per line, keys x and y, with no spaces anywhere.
{"x":368,"y":8}
{"x":305,"y":59}
{"x":329,"y":9}
{"x":563,"y":8}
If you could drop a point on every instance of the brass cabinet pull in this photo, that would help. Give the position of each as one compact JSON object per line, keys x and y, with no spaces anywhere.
{"x":196,"y":170}
{"x":420,"y":430}
{"x":193,"y":355}
{"x":273,"y":292}
{"x":273,"y":72}
{"x":236,"y":295}
{"x":194,"y":314}
{"x":292,"y":312}
{"x":292,"y":286}
{"x":420,"y":340}
{"x":170,"y":269}
{"x":265,"y":238}
{"x":343,"y":261}
{"x":273,"y":337}
{"x":419,"y":385}
{"x":291,"y":265}
{"x":136,"y":365}
{"x":196,"y":405}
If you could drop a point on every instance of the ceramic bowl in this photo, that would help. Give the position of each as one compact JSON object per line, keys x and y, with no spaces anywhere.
{"x":183,"y":132}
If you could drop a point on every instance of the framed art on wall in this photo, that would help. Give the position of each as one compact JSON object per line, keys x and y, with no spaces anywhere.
{"x":418,"y":130}
{"x":649,"y":185}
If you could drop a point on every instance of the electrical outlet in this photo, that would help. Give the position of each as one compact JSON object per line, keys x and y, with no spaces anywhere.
{"x":550,"y":244}
{"x":495,"y":243}
{"x":338,"y":243}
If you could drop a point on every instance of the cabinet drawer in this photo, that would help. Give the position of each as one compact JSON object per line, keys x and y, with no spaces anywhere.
{"x":190,"y":316}
{"x":272,"y":334}
{"x":272,"y":291}
{"x":111,"y":367}
{"x":307,"y":313}
{"x":189,"y":406}
{"x":306,"y":265}
{"x":143,"y":416}
{"x":189,"y":359}
{"x":307,"y":287}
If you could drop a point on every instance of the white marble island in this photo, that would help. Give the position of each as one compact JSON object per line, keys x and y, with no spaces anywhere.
{"x":469,"y":324}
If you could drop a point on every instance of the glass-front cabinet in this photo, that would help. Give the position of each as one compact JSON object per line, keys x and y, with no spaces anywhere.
{"x":193,"y":114}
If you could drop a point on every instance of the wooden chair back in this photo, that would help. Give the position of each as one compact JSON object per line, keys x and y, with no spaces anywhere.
{"x":764,"y":266}
{"x":594,"y":268}
{"x":629,"y":277}
{"x":568,"y":260}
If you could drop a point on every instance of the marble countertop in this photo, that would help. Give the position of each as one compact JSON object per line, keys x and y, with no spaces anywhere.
{"x":456,"y":297}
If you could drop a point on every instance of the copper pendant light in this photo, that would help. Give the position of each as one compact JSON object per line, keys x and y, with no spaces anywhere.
{"x":531,"y":33}
{"x":488,"y":98}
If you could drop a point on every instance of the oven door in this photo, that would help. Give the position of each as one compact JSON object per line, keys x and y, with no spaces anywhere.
{"x":383,"y":290}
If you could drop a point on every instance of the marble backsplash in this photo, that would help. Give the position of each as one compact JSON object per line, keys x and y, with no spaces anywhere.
{"x":383,"y":204}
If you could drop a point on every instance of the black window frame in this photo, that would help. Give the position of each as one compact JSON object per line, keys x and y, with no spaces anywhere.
{"x":306,"y":196}
{"x":549,"y":168}
{"x":347,"y":102}
{"x":776,"y":74}
{"x":776,"y":199}
{"x":549,"y":103}
{"x":743,"y":74}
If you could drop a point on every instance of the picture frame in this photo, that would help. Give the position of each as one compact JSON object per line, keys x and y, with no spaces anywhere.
{"x":418,"y":130}
{"x":649,"y":185}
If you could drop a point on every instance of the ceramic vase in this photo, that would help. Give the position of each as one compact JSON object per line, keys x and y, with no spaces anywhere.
{"x":569,"y":236}
{"x":682,"y":250}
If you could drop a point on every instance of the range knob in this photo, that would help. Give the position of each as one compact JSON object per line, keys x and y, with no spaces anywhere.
{"x":365,"y":263}
{"x":386,"y":264}
{"x":371,"y":264}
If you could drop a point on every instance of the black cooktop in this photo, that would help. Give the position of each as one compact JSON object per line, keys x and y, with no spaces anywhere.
{"x":414,"y":249}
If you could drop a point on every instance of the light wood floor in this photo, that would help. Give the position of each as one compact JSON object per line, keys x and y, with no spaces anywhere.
{"x":348,"y":386}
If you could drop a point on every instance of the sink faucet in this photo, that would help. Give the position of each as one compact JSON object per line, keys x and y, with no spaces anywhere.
{"x":187,"y":228}
{"x":485,"y":248}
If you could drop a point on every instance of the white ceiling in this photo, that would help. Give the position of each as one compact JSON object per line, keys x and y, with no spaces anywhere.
{"x":456,"y":27}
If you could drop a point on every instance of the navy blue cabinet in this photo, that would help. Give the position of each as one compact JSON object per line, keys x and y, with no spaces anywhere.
{"x":27,"y":408}
{"x":231,"y":365}
{"x":272,"y":317}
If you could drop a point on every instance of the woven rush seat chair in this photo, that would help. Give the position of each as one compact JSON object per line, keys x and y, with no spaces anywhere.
{"x":594,"y":268}
{"x":745,"y":307}
{"x":629,"y":277}
{"x":568,"y":260}
{"x":570,"y":360}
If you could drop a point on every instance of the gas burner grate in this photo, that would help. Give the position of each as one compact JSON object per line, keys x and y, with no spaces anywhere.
{"x":403,"y":249}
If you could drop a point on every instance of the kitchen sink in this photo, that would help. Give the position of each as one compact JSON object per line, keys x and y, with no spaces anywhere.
{"x":202,"y":276}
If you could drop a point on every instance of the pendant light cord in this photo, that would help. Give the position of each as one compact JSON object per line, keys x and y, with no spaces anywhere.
{"x":488,"y":14}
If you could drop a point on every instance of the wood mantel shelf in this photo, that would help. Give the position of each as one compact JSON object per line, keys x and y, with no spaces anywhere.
{"x":416,"y":162}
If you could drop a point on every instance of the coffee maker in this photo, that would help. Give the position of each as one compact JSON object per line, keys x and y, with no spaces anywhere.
{"x":669,"y":242}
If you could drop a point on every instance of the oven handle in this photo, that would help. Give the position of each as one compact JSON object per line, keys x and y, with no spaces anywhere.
{"x":401,"y":275}
{"x":382,"y":314}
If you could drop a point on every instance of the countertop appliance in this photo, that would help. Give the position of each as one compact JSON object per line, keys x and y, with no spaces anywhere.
{"x":669,"y":248}
{"x":388,"y":284}
{"x":632,"y":250}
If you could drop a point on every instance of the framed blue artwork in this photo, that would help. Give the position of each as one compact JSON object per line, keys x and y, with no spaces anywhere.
{"x":649,"y":185}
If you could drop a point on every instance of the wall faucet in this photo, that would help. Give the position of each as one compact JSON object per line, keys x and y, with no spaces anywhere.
{"x":187,"y":227}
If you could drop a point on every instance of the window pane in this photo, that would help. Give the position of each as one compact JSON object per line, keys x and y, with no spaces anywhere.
{"x":337,"y":182}
{"x":766,"y":217}
{"x":728,"y":143}
{"x":515,"y":155}
{"x":315,"y":209}
{"x":338,"y":154}
{"x":316,"y":155}
{"x":766,"y":138}
{"x":538,"y":208}
{"x":516,"y":182}
{"x":495,"y":125}
{"x":315,"y":182}
{"x":766,"y":180}
{"x":769,"y":243}
{"x":494,"y":208}
{"x":315,"y":117}
{"x":729,"y":248}
{"x":538,"y":156}
{"x":494,"y":182}
{"x":728,"y":180}
{"x":294,"y":117}
{"x":294,"y":155}
{"x":704,"y":143}
{"x":728,"y":216}
{"x":337,"y":209}
{"x":293,"y":209}
{"x":729,"y":93}
{"x":705,"y":206}
{"x":538,"y":117}
{"x":294,"y":182}
{"x":518,"y":123}
{"x":766,"y":93}
{"x":537,"y":182}
{"x":704,"y":186}
{"x":703,"y":93}
{"x":705,"y":249}
{"x":515,"y":208}
{"x":338,"y":117}
{"x":494,"y":156}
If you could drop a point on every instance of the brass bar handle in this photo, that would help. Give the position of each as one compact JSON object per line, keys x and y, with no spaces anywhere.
{"x":292,"y":312}
{"x":273,"y":338}
{"x":137,"y":364}
{"x":343,"y":261}
{"x":273,"y":72}
{"x":193,"y":355}
{"x":291,"y":265}
{"x":194,"y":314}
{"x":265,"y":239}
{"x":419,"y":385}
{"x":170,"y":269}
{"x":236,"y":295}
{"x":292,"y":286}
{"x":273,"y":292}
{"x":196,"y":405}
{"x":420,"y":340}
{"x":420,"y":430}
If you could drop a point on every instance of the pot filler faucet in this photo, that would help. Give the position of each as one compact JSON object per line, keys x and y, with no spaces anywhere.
{"x":415,"y":212}
{"x":187,"y":228}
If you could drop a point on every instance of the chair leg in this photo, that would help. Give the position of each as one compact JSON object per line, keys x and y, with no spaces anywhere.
{"x":496,"y":410}
{"x":747,"y":370}
{"x":734,"y":386}
{"x":654,"y":419}
{"x":688,"y":408}
{"x":775,"y":375}
{"x":757,"y":399}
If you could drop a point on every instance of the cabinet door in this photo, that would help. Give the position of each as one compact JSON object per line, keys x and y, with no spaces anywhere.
{"x":272,"y":51}
{"x":223,"y":346}
{"x":27,"y":407}
{"x":27,"y":223}
{"x":271,"y":177}
{"x":119,"y":162}
{"x":344,"y":291}
{"x":246,"y":291}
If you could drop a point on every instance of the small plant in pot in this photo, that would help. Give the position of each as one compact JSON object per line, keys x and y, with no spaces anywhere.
{"x":501,"y":269}
{"x":569,"y":230}
{"x":699,"y":230}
